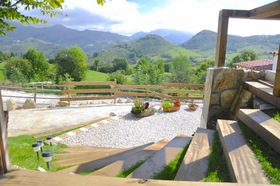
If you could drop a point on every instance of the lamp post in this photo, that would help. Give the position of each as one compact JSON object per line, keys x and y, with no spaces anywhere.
{"x":50,"y":138}
{"x":41,"y":142}
{"x":47,"y":156}
{"x":36,"y":147}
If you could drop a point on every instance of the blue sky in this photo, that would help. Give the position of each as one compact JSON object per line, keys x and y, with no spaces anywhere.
{"x":127,"y":17}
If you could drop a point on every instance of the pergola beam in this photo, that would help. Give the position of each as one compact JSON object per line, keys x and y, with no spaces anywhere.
{"x":276,"y":90}
{"x":269,"y":11}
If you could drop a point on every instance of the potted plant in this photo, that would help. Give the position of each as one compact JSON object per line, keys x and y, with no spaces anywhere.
{"x":141,"y":109}
{"x":169,"y":105}
{"x":192,"y":106}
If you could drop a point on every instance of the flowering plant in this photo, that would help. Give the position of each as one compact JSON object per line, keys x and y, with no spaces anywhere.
{"x":169,"y":104}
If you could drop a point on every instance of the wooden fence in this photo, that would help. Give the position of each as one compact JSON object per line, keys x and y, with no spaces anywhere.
{"x":32,"y":88}
{"x":77,"y":91}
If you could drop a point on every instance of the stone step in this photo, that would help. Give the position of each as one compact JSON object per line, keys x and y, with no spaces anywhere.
{"x":241,"y":161}
{"x":263,"y":125}
{"x":98,"y":162}
{"x":121,"y":165}
{"x":196,"y":160}
{"x":161,"y":158}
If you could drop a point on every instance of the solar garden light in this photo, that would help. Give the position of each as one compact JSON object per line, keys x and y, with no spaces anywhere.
{"x":47,"y":156}
{"x":50,"y":138}
{"x":36,"y":147}
{"x":41,"y":142}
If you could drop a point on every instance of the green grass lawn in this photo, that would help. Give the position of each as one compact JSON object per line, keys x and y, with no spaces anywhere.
{"x":2,"y":75}
{"x":23,"y":155}
{"x":96,"y":76}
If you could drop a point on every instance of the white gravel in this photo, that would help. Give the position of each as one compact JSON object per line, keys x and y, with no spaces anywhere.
{"x":130,"y":131}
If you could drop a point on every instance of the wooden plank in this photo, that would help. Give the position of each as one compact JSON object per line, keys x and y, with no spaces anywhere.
{"x":86,"y":98}
{"x":266,"y":127}
{"x":98,"y":163}
{"x":121,"y":165}
{"x":76,"y":91}
{"x":162,"y":158}
{"x":262,"y":91}
{"x":75,"y":83}
{"x":136,"y":94}
{"x":5,"y":164}
{"x":276,"y":90}
{"x":35,"y":178}
{"x":139,"y":86}
{"x":182,"y":97}
{"x":222,"y":39}
{"x":242,"y":163}
{"x":183,"y":91}
{"x":183,"y":85}
{"x":195,"y":162}
{"x":268,"y":11}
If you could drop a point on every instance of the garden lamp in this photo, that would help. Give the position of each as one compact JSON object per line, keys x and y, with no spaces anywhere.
{"x":47,"y":156}
{"x":50,"y":138}
{"x":36,"y":147}
{"x":41,"y":142}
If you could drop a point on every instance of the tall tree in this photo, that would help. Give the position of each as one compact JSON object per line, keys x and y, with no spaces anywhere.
{"x":248,"y":55}
{"x":10,"y":10}
{"x":182,"y":70}
{"x":148,"y":73}
{"x":72,"y":61}
{"x":40,"y":65}
{"x":18,"y":70}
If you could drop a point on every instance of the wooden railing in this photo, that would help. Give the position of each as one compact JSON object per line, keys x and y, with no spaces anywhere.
{"x":85,"y":91}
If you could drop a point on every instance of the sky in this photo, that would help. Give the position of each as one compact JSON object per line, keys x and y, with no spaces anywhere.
{"x":127,"y":17}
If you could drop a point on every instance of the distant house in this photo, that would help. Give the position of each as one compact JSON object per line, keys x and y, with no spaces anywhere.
{"x":258,"y":65}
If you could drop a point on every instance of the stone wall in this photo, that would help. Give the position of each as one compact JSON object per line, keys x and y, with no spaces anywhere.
{"x":223,"y":94}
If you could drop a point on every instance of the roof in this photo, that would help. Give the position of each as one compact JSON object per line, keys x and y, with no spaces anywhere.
{"x":258,"y":65}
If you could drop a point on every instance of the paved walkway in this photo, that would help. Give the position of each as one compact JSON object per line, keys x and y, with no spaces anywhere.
{"x":34,"y":121}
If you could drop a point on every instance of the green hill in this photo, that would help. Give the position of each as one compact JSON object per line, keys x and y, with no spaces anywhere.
{"x":150,"y":46}
{"x":96,"y":76}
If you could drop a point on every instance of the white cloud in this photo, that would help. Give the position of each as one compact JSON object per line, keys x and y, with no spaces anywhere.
{"x":124,"y":17}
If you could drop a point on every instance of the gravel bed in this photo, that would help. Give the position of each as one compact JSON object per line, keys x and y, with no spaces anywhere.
{"x":130,"y":131}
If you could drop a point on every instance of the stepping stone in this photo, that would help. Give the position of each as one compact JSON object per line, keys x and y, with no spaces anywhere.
{"x":195,"y":162}
{"x":242,"y":163}
{"x":161,"y":159}
{"x":265,"y":126}
{"x":121,"y":165}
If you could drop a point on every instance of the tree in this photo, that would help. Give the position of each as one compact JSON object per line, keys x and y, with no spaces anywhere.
{"x":119,"y":64}
{"x":201,"y":71}
{"x":18,"y":69}
{"x":40,"y":65}
{"x":118,"y":76}
{"x":10,"y":10}
{"x":248,"y":55}
{"x":148,"y":73}
{"x":3,"y":57}
{"x":73,"y":62}
{"x":182,"y":70}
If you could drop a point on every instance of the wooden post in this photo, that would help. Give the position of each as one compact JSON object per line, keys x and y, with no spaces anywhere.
{"x":115,"y":91}
{"x":35,"y":94}
{"x":276,"y":90}
{"x":222,"y":39}
{"x":4,"y":151}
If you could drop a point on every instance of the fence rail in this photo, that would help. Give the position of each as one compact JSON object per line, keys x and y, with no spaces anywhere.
{"x":78,"y":91}
{"x":174,"y":91}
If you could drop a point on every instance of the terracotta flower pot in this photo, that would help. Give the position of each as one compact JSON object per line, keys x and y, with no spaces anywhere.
{"x":193,"y":107}
{"x":173,"y":109}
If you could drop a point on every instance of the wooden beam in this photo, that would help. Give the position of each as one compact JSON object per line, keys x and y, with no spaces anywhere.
{"x":276,"y":90}
{"x":222,"y":38}
{"x":268,"y":11}
{"x":4,"y":152}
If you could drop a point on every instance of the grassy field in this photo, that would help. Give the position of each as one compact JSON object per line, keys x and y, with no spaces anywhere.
{"x":2,"y":75}
{"x":96,"y":76}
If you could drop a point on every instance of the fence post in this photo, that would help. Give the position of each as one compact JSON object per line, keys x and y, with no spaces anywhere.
{"x":35,"y":94}
{"x":69,"y":94}
{"x":115,"y":91}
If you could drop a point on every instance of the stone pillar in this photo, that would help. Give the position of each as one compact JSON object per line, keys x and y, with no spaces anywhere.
{"x":221,"y":89}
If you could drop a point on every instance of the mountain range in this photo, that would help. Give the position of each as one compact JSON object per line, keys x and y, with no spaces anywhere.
{"x":161,"y":43}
